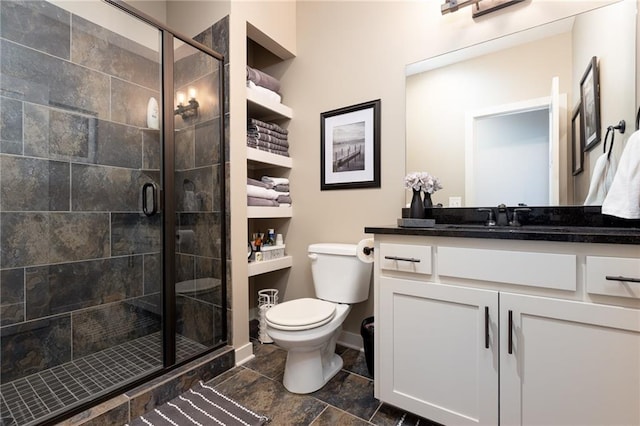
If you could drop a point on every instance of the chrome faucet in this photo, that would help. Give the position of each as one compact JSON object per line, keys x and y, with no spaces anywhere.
{"x":490,"y":221}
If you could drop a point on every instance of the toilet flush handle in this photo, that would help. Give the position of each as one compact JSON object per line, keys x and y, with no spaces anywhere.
{"x":313,"y":256}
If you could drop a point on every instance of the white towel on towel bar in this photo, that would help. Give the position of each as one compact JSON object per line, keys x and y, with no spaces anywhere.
{"x":623,"y":199}
{"x":601,"y":179}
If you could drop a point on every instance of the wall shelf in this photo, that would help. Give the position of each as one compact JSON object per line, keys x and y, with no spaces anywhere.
{"x":263,"y":160}
{"x":266,"y":109}
{"x":257,"y":268}
{"x":258,"y":212}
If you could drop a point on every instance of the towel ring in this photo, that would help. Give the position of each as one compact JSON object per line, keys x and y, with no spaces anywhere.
{"x":610,"y":131}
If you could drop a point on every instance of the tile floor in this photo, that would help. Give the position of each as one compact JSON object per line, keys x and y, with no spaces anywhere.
{"x":346,"y":400}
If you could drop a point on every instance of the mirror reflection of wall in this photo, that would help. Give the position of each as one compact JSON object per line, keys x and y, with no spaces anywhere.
{"x":439,"y":98}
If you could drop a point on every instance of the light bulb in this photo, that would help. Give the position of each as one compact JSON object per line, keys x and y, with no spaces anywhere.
{"x":180,"y":97}
{"x":192,"y":92}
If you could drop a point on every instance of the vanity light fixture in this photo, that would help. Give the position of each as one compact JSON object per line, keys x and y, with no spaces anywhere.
{"x":191,"y":108}
{"x":481,"y":7}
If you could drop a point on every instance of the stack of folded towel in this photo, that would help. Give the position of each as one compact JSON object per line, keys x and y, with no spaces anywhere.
{"x":262,"y":83}
{"x":267,"y":137}
{"x":269,"y":191}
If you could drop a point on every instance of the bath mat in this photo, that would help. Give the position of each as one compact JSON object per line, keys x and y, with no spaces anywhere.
{"x":202,"y":405}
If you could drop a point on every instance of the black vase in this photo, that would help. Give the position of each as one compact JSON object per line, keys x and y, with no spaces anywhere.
{"x":427,"y":200}
{"x":416,"y":208}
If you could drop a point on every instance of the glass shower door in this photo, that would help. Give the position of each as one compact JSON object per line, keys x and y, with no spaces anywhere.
{"x":80,"y":262}
{"x":199,"y":219}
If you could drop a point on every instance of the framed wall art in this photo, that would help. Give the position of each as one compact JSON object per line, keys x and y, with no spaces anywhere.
{"x":350,"y":147}
{"x":577,"y":141}
{"x":590,"y":100}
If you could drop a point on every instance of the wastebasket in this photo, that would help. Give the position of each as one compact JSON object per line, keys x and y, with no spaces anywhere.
{"x":367,"y":333}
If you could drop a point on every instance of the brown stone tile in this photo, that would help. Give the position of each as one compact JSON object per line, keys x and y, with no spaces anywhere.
{"x":350,"y":393}
{"x":354,"y":362}
{"x":269,"y":360}
{"x":331,"y":416}
{"x":269,"y":398}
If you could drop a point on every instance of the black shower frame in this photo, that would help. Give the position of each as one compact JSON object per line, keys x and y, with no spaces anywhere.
{"x":168,"y":209}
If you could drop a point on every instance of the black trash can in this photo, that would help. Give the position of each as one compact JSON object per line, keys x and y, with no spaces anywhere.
{"x":366,"y":331}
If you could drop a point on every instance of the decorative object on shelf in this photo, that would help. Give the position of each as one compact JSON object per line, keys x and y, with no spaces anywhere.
{"x":590,"y":100}
{"x":191,"y":109}
{"x":427,"y":200}
{"x":577,"y":139}
{"x":350,"y":147}
{"x":421,"y":182}
{"x":416,"y":209}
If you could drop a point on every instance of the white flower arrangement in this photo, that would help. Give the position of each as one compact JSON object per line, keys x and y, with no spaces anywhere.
{"x":422,"y":181}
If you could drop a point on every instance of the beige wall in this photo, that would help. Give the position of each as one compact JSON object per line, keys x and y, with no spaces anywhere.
{"x":352,"y":52}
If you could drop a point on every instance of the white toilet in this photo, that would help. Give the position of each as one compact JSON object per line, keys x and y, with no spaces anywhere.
{"x":308,"y":328}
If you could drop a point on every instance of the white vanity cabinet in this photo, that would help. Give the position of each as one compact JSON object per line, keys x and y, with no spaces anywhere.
{"x":569,"y":363}
{"x":507,"y":332}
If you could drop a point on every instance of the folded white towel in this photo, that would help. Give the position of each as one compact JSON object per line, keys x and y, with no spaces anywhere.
{"x":601,"y":179}
{"x":264,"y":93}
{"x":623,"y":199}
{"x":275,"y":180}
{"x":259,"y":192}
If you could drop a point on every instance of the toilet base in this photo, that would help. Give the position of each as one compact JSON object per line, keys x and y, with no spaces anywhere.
{"x":306,"y":372}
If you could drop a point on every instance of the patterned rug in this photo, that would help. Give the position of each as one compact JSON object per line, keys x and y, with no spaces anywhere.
{"x":201,"y":405}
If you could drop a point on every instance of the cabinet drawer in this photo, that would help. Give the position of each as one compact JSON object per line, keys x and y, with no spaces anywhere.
{"x":405,"y":258}
{"x":547,"y":270}
{"x":599,"y":268}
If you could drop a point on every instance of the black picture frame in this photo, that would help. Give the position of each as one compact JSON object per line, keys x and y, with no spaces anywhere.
{"x":590,"y":101}
{"x":577,"y":140}
{"x":350,"y":147}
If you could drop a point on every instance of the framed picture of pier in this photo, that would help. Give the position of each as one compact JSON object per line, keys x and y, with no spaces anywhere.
{"x":350,"y":147}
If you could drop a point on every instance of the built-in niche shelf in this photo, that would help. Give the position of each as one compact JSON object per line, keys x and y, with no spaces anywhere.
{"x":259,"y":212}
{"x":258,"y":268}
{"x":263,"y":160}
{"x":260,"y":106}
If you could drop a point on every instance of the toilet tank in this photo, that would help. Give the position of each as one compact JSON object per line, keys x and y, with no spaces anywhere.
{"x":338,"y":275}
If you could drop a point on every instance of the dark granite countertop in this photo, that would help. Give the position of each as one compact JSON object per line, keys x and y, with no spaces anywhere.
{"x":574,"y":234}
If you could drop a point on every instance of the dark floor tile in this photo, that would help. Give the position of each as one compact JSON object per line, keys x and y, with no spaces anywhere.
{"x":269,"y":398}
{"x":227,"y":375}
{"x":355,"y":362}
{"x":332,"y":416}
{"x":269,"y":361}
{"x":350,"y":393}
{"x":388,"y":415}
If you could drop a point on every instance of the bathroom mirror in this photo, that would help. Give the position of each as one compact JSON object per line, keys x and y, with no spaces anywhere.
{"x":482,"y":118}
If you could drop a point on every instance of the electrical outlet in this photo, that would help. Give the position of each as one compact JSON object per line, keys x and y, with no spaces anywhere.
{"x":455,"y":201}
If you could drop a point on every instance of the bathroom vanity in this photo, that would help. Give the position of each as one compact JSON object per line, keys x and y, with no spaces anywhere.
{"x":510,"y":326}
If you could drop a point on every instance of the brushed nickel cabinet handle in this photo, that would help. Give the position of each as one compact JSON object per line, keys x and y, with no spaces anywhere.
{"x":403,"y":259}
{"x":621,"y":278}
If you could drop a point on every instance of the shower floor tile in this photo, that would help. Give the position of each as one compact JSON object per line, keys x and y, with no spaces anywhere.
{"x":33,"y":397}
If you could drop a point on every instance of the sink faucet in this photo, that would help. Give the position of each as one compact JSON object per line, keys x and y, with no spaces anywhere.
{"x":503,"y":216}
{"x":490,"y":221}
{"x":514,"y":217}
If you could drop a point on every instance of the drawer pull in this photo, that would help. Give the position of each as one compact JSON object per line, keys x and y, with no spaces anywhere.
{"x":620,"y":278}
{"x":510,"y":344}
{"x":486,"y":327}
{"x":404,"y":259}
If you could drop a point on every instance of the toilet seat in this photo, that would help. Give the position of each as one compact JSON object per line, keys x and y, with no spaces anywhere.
{"x":300,"y":314}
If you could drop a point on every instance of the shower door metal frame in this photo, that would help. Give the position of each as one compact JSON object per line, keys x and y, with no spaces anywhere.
{"x":167,"y":207}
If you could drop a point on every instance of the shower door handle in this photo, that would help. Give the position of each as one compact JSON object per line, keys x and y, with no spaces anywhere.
{"x":149,"y":199}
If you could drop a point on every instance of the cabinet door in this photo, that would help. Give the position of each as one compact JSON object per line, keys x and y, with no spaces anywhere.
{"x":435,"y":357}
{"x":572,"y":363}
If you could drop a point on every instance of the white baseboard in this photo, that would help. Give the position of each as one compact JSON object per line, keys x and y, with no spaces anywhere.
{"x":351,"y":340}
{"x":244,"y":354}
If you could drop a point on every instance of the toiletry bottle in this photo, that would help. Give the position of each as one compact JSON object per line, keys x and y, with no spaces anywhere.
{"x":271,"y":237}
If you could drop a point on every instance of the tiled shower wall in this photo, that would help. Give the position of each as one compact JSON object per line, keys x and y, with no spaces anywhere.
{"x":79,"y":265}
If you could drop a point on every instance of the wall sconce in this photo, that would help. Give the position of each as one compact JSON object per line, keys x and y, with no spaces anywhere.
{"x":482,"y":7}
{"x":191,"y":108}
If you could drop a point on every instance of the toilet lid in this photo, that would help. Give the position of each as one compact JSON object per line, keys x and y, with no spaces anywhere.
{"x":300,"y":314}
